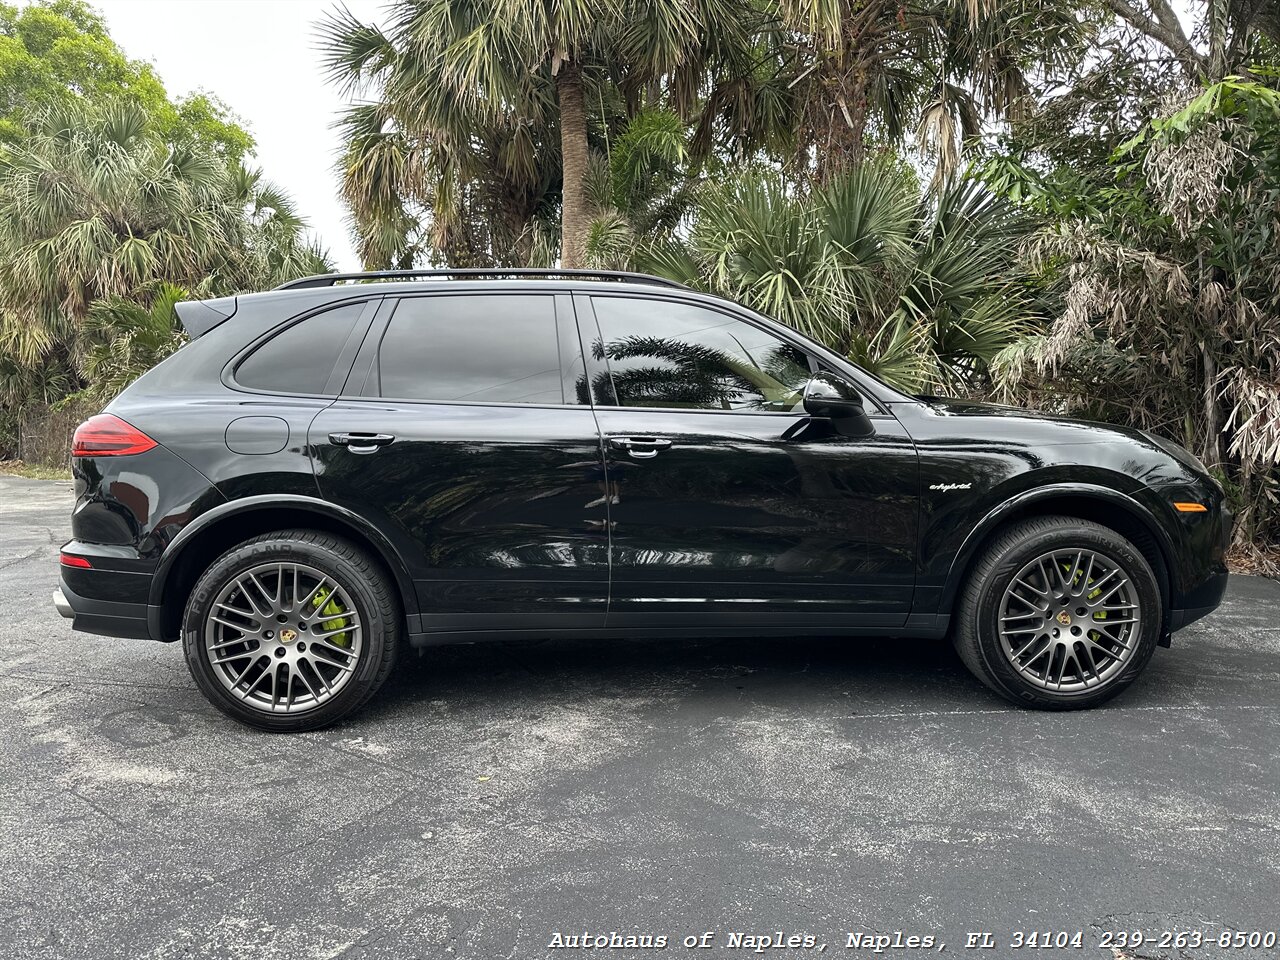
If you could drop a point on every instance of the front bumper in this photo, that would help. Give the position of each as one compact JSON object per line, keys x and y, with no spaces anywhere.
{"x":1197,"y":548}
{"x":1202,"y":602}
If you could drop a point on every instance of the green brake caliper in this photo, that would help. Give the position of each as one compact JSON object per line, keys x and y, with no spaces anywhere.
{"x":333,"y":609}
{"x":1098,"y":614}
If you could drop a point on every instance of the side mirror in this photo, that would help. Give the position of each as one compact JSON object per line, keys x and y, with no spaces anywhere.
{"x":830,"y":396}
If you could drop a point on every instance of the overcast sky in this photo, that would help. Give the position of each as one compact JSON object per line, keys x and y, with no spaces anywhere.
{"x":260,"y":58}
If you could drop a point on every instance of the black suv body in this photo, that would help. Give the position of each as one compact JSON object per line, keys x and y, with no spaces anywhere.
{"x":466,"y":457}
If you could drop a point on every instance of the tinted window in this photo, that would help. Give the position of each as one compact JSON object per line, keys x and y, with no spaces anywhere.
{"x":301,"y":358}
{"x":676,"y":355}
{"x":491,"y":349}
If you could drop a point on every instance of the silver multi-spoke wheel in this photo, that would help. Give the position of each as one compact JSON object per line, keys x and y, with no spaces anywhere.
{"x":283,"y":638}
{"x":1070,"y":620}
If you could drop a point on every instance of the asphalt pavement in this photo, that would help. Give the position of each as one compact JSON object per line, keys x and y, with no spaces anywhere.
{"x":498,"y":799}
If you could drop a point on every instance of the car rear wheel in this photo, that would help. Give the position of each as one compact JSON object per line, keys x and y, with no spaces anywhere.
{"x":1059,"y":614}
{"x":291,"y":630}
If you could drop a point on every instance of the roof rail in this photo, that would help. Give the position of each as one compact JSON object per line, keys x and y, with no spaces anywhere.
{"x":495,"y":273}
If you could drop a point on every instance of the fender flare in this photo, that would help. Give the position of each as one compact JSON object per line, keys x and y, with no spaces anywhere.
{"x":1008,"y":507}
{"x":386,"y":551}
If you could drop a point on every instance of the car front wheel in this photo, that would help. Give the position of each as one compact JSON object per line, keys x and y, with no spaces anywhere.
{"x":291,"y":630}
{"x":1059,"y":614}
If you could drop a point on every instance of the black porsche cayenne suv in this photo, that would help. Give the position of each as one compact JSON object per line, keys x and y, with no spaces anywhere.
{"x":351,"y":463}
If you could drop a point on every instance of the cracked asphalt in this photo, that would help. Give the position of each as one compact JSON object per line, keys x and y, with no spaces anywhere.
{"x":494,"y":795}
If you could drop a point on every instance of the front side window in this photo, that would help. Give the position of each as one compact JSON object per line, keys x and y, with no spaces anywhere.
{"x":678,"y":355}
{"x":300,"y":359}
{"x":478,"y":349}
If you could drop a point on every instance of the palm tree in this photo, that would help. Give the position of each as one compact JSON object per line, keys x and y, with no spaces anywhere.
{"x":125,"y":338}
{"x":644,"y":187}
{"x":94,"y":205}
{"x":832,"y":78}
{"x":925,"y":292}
{"x":429,"y":168}
{"x":865,"y":69}
{"x":469,"y":97}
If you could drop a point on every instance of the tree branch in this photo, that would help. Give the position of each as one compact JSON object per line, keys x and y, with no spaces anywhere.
{"x":1164,"y":29}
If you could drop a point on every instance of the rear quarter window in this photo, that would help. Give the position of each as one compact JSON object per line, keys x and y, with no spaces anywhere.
{"x":301,"y":358}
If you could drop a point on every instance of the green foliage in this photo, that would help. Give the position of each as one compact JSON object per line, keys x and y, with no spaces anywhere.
{"x":34,"y":471}
{"x":100,"y":216}
{"x":114,"y":202}
{"x":823,"y":85}
{"x":647,"y":159}
{"x":126,"y":337}
{"x":56,"y":52}
{"x":204,"y":122}
{"x":898,"y":353}
{"x":1167,"y":280}
{"x":1231,"y":98}
{"x":447,"y":157}
{"x":925,"y":293}
{"x":456,"y":152}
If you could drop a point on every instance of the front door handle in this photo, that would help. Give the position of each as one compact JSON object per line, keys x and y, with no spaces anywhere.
{"x":361,"y":442}
{"x":642,"y":448}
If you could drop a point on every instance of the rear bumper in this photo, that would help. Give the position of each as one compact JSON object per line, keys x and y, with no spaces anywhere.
{"x":108,"y":618}
{"x":111,"y":596}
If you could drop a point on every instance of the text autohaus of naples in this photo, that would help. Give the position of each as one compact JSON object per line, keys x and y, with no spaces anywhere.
{"x":737,"y":940}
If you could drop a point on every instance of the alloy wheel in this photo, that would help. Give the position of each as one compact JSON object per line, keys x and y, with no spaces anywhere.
{"x":1070,"y":620}
{"x":283,"y":637}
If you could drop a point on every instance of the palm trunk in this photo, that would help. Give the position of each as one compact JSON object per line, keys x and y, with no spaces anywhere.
{"x":859,"y":110}
{"x":573,"y":160}
{"x":518,"y":236}
{"x":847,"y":121}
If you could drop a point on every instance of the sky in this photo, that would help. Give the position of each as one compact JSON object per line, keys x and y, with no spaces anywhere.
{"x":259,"y":57}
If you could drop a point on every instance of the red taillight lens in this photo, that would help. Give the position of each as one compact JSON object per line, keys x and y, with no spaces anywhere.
{"x":69,"y":561}
{"x":108,"y":436}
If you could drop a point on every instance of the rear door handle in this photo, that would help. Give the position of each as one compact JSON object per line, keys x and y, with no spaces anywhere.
{"x":642,"y":448}
{"x":361,"y":442}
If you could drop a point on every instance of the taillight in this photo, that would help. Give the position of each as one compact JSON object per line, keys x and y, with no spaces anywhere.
{"x":71,"y":561}
{"x":109,"y":436}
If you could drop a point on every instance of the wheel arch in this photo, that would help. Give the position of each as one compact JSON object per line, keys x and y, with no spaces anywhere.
{"x":219,"y":529}
{"x":1103,"y":505}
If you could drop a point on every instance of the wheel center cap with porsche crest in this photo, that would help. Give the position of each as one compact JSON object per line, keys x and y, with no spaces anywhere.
{"x":288,"y":636}
{"x":1064,"y":618}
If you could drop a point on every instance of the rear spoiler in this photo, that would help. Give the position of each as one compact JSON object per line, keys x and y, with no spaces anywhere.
{"x":198,"y":317}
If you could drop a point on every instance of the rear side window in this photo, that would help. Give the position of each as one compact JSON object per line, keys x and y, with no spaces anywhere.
{"x":300,"y":359}
{"x":481,"y":349}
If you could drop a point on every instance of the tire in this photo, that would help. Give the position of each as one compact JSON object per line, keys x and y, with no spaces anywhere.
{"x":1039,"y":553}
{"x":329,"y":593}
